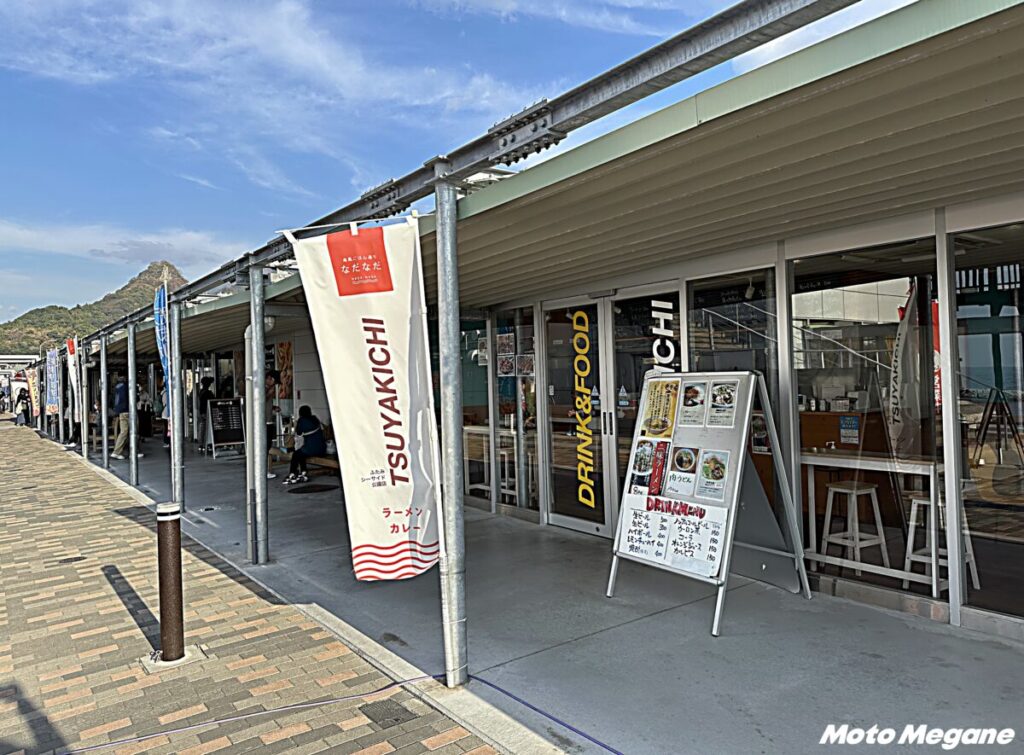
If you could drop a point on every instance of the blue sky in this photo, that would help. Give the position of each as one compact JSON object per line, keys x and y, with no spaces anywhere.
{"x":192,"y":130}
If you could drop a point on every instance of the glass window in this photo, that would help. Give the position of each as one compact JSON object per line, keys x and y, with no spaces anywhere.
{"x":515,"y":369}
{"x":475,"y":410}
{"x":989,"y":265}
{"x":865,"y":333}
{"x":731,"y":327}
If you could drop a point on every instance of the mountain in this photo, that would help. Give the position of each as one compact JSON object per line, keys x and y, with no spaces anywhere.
{"x":49,"y":326}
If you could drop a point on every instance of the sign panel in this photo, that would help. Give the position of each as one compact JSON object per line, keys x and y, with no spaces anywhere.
{"x":52,"y":383}
{"x":365,"y":293}
{"x":686,"y":460}
{"x":226,"y":426}
{"x":681,"y":501}
{"x":73,"y":374}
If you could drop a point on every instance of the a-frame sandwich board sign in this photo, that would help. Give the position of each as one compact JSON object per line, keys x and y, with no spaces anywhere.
{"x":689,"y":487}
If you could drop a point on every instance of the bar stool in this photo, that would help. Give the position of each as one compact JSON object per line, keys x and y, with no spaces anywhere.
{"x":852,"y":538}
{"x":923,"y":555}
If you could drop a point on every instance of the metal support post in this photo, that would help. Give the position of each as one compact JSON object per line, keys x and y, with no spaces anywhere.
{"x":250,"y":489}
{"x":60,"y":398}
{"x":259,"y":417}
{"x":177,"y":413}
{"x":133,"y":411}
{"x":83,"y":398}
{"x":197,"y":376}
{"x":168,"y":550}
{"x":951,"y":448}
{"x":104,"y":404}
{"x":453,"y":568}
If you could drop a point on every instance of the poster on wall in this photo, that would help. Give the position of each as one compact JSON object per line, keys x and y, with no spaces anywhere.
{"x":759,"y":438}
{"x":364,"y":288}
{"x":506,"y":365}
{"x":481,"y":352}
{"x":52,"y":382}
{"x":524,"y":365}
{"x":506,"y":343}
{"x":286,"y":369}
{"x":73,"y":375}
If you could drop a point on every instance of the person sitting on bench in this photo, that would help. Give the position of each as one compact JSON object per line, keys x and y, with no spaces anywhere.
{"x":309,"y":441}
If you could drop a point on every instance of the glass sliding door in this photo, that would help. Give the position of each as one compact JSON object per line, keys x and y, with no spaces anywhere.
{"x":515,"y":368}
{"x":578,"y":421}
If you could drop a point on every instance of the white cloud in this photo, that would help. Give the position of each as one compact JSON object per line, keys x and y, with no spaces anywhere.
{"x":193,"y":251}
{"x":250,"y":78}
{"x":198,"y":180}
{"x":618,"y":16}
{"x":836,"y":23}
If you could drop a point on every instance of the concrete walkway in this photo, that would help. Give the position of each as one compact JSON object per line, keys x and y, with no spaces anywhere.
{"x":78,"y":595}
{"x":639,"y":673}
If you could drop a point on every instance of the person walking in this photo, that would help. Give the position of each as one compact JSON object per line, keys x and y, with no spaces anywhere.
{"x":22,"y":407}
{"x":309,"y":441}
{"x":206,"y":395}
{"x":122,"y":418}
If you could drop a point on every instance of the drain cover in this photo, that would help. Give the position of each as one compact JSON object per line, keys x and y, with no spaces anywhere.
{"x":71,"y":560}
{"x":387,"y":713}
{"x":314,"y":488}
{"x":208,"y":508}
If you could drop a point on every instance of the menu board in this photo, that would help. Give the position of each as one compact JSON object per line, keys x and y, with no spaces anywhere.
{"x":685,"y":469}
{"x":226,"y":426}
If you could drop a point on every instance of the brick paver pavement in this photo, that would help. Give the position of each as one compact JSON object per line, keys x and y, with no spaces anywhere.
{"x":78,"y":601}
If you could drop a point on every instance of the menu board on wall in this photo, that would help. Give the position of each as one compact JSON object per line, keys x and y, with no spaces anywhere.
{"x":685,"y":465}
{"x":685,"y":477}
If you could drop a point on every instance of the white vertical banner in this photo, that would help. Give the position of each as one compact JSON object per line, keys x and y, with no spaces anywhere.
{"x":76,"y":411}
{"x":364,"y":289}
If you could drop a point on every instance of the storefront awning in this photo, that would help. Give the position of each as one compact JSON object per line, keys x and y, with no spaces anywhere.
{"x":919,"y":108}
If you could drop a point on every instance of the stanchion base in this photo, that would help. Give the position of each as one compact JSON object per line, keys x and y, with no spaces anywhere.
{"x":152,"y":664}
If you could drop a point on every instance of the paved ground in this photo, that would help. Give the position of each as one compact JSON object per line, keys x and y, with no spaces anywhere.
{"x":78,"y":598}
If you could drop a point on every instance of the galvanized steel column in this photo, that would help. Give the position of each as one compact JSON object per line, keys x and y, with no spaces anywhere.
{"x":453,"y":568}
{"x":259,"y":416}
{"x":133,"y":411}
{"x":104,"y":404}
{"x":177,"y":413}
{"x":83,"y":399}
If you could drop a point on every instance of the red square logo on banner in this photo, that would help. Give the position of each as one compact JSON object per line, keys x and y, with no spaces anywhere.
{"x":360,"y":263}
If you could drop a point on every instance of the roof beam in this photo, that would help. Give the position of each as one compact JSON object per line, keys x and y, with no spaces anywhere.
{"x":743,"y":27}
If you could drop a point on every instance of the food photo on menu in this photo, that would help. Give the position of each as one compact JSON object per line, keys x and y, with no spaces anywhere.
{"x":722,"y":412}
{"x":682,"y":476}
{"x":713,"y":475}
{"x":506,"y":365}
{"x":660,"y":411}
{"x":643,"y":460}
{"x":694,"y":395}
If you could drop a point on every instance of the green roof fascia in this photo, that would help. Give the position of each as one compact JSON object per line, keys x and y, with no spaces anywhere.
{"x":876,"y":38}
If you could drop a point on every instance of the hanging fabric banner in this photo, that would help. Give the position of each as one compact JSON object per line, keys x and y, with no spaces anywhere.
{"x":160,"y":329}
{"x":33,"y":389}
{"x":904,"y":409}
{"x":52,"y":383}
{"x":364,"y":288}
{"x":76,"y":412}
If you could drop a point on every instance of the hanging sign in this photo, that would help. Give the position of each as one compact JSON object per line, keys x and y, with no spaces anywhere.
{"x":32,"y":376}
{"x":162,"y":343}
{"x":682,"y":495}
{"x":52,"y":383}
{"x":364,"y":288}
{"x":72,"y":345}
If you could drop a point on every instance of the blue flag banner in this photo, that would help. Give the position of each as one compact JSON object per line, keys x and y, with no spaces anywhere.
{"x":52,"y":382}
{"x":162,"y":345}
